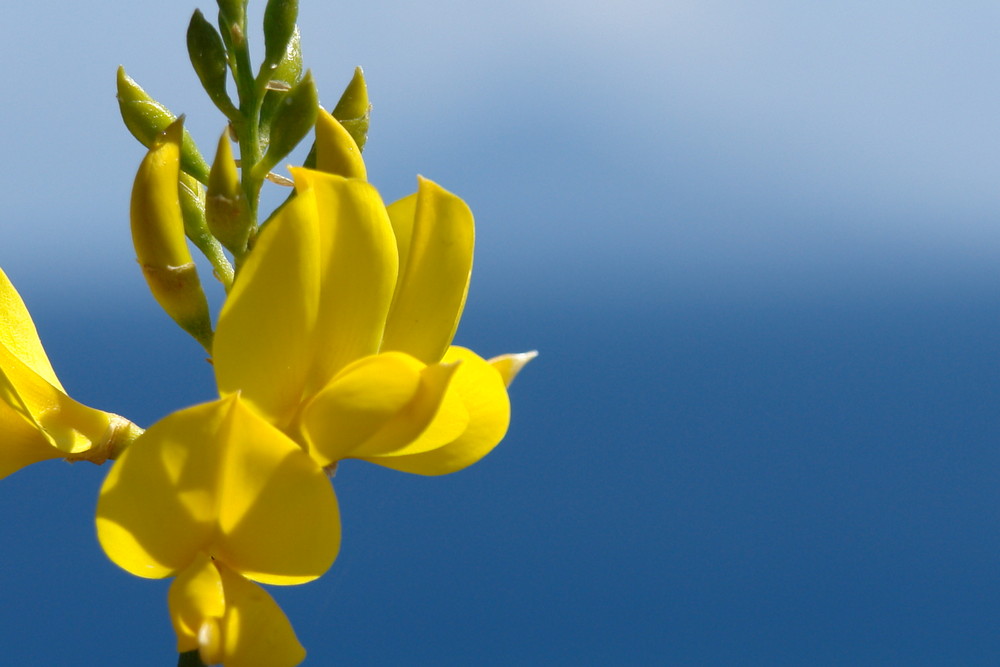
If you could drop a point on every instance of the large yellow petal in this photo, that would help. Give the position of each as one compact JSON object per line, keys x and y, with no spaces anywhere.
{"x":431,"y":291}
{"x":262,"y":342}
{"x":18,"y":333}
{"x":358,"y":266}
{"x":375,"y":406}
{"x":218,"y":479}
{"x":479,"y":390}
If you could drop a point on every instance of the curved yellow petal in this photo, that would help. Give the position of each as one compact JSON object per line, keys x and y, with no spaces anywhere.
{"x":375,"y":406}
{"x":218,"y":479}
{"x":278,"y":519}
{"x":255,"y":632}
{"x":509,"y":365}
{"x":402,"y":214}
{"x":23,"y":443}
{"x":262,"y":342}
{"x":431,"y":291}
{"x":336,"y":151}
{"x":195,"y":596}
{"x":479,"y":390}
{"x":18,"y":333}
{"x":358,"y":266}
{"x":230,"y":620}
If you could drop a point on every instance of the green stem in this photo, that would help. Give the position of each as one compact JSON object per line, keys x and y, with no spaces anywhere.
{"x":248,"y":127}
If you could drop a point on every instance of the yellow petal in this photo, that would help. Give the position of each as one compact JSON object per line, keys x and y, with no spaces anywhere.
{"x":336,"y":151}
{"x":358,"y":265}
{"x":218,"y":479}
{"x":194,"y":596}
{"x":255,"y":632}
{"x":478,"y":389}
{"x":375,"y":406}
{"x":431,"y":291}
{"x":509,"y":365}
{"x":61,"y":424}
{"x":23,"y":442}
{"x":229,"y":619}
{"x":263,"y":340}
{"x":18,"y":333}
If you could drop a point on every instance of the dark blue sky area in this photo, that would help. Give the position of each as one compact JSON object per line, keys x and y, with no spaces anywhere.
{"x":795,"y":482}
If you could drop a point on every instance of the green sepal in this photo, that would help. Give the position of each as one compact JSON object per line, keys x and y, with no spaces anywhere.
{"x":279,"y":28}
{"x":285,"y":74}
{"x":293,"y":120}
{"x":210,"y":62}
{"x":146,"y":119}
{"x":354,"y":110}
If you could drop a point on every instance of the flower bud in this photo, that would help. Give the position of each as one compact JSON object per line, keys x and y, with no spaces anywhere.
{"x":353,"y":110}
{"x":158,"y":237}
{"x":280,"y":80}
{"x":226,"y":208}
{"x":146,"y":119}
{"x":336,"y":151}
{"x":279,"y":28}
{"x":295,"y":116}
{"x":208,"y":57}
{"x":232,"y":11}
{"x":193,"y":208}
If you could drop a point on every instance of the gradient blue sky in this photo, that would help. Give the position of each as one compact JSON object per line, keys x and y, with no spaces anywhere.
{"x":758,"y":246}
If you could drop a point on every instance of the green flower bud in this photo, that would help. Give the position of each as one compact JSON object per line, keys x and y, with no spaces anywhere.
{"x":226,"y":208}
{"x":209,"y":59}
{"x":193,"y":210}
{"x":232,"y":10}
{"x":353,"y":110}
{"x":158,"y":236}
{"x":283,"y":76}
{"x":279,"y":27}
{"x":295,"y":116}
{"x":146,"y":119}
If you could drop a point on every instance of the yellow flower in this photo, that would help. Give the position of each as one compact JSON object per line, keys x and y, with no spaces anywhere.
{"x":230,"y":620}
{"x":38,"y":420}
{"x":334,"y":343}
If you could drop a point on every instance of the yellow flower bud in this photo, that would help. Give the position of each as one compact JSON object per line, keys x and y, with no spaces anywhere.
{"x":226,"y":208}
{"x":336,"y":151}
{"x":159,"y":240}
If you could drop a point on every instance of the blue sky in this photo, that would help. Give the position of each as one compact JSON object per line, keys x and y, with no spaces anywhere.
{"x":756,"y":245}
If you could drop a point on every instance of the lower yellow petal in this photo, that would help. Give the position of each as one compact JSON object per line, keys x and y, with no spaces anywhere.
{"x":195,"y":595}
{"x":218,"y":479}
{"x":255,"y":632}
{"x":229,"y":619}
{"x":479,"y":389}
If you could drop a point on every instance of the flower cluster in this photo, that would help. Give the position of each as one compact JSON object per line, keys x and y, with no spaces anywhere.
{"x":334,"y":342}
